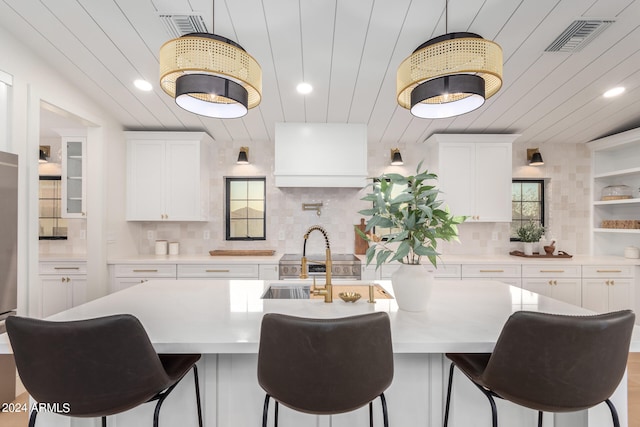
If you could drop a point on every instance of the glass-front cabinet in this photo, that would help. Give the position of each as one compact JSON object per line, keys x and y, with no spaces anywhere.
{"x":52,"y":225}
{"x":74,"y":177}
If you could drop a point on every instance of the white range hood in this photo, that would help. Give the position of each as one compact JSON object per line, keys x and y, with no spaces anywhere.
{"x":320,"y":155}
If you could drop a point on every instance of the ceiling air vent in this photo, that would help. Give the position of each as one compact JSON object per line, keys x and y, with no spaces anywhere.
{"x":179,"y":25}
{"x":578,"y":34}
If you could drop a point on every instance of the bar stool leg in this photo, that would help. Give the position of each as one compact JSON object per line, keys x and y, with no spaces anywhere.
{"x":385,"y":414}
{"x":614,"y":413}
{"x":32,"y":418}
{"x":446,"y":408}
{"x":197,"y":383}
{"x":265,"y":410}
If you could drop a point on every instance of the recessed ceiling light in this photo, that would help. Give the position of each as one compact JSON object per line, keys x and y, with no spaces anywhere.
{"x":143,"y":85}
{"x":613,"y":92}
{"x":304,"y":88}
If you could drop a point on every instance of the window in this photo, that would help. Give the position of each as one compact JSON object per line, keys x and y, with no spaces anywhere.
{"x":527,"y":203}
{"x":245,"y":208}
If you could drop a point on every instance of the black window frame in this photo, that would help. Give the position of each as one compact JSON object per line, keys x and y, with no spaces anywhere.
{"x":228,"y":181}
{"x":541,"y":183}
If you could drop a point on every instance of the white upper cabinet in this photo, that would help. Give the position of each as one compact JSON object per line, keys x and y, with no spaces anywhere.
{"x":320,"y":155}
{"x":74,"y":175}
{"x":167,"y":176}
{"x":474,"y":174}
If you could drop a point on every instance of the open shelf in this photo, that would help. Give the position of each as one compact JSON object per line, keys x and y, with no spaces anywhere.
{"x":617,"y":230}
{"x":617,"y":202}
{"x":616,"y":173}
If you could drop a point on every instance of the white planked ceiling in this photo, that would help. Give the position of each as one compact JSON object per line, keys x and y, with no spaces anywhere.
{"x":349,"y":51}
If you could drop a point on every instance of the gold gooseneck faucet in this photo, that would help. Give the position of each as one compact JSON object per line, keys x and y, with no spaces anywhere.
{"x":327,"y":290}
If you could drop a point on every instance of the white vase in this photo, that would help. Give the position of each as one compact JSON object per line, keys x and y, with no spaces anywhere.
{"x":411,"y":285}
{"x":528,"y":248}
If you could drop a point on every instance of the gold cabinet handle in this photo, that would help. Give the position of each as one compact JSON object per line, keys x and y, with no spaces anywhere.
{"x":613,"y":283}
{"x":145,"y":271}
{"x":217,"y":271}
{"x":551,"y":271}
{"x":66,"y":268}
{"x":491,"y":271}
{"x":609,"y":271}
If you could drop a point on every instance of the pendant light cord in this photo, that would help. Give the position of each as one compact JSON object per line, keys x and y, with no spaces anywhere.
{"x":446,"y":16}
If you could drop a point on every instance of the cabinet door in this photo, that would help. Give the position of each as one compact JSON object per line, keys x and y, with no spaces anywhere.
{"x":56,"y":294}
{"x":539,"y":286}
{"x":492,"y":184}
{"x":456,"y":177}
{"x":595,"y":295}
{"x":73,"y":177}
{"x":145,"y":178}
{"x":567,"y":290}
{"x":61,"y":293}
{"x":268,"y":272}
{"x":620,"y":294}
{"x":182,"y":181}
{"x":78,"y":285}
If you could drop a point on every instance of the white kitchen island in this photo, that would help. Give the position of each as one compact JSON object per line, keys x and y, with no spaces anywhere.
{"x":221,"y":319}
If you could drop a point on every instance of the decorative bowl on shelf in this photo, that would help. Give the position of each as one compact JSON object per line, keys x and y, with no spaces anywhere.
{"x":616,"y":192}
{"x":349,"y":296}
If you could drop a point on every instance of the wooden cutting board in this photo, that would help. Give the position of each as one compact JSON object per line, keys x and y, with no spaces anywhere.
{"x":361,"y":245}
{"x":240,"y":252}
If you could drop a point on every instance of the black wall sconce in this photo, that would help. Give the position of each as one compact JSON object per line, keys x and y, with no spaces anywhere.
{"x":243,"y":156}
{"x":534,"y":157}
{"x":45,"y":153}
{"x":396,"y":157}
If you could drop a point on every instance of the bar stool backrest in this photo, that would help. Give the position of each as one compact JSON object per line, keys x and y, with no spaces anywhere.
{"x":325,"y":366}
{"x":560,"y":363}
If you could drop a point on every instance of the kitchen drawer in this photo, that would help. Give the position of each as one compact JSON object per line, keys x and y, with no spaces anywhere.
{"x":608,"y":271}
{"x":490,"y":270}
{"x":146,"y":271}
{"x":448,"y":271}
{"x":551,"y":270}
{"x":444,"y":271}
{"x":218,"y":271}
{"x":62,"y":267}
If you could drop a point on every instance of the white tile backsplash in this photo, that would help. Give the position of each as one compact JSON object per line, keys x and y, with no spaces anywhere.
{"x":567,"y":171}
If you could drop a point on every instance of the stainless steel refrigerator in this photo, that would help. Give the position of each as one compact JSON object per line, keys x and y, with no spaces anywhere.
{"x":8,"y":235}
{"x":8,"y":264}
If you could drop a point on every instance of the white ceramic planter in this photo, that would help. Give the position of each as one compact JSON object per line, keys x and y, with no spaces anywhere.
{"x":528,"y":248}
{"x":412,"y":286}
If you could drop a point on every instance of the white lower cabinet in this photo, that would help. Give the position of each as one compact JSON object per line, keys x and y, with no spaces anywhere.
{"x":63,"y":285}
{"x":126,"y":275}
{"x":268,"y":272}
{"x":218,"y":271}
{"x":607,"y":288}
{"x":561,"y":282}
{"x":506,"y":273}
{"x":443,"y":271}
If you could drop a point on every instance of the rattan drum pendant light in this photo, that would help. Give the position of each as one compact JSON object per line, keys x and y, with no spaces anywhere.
{"x":210,"y":75}
{"x":449,"y":75}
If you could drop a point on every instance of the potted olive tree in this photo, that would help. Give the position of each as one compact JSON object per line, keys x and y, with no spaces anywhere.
{"x":408,"y":209}
{"x":530,"y":233}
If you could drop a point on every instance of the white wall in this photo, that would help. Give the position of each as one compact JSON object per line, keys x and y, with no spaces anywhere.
{"x":34,"y":81}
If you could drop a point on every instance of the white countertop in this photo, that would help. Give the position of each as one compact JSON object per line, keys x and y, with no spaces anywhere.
{"x":445,"y":259}
{"x":194,"y":259}
{"x":223,"y":316}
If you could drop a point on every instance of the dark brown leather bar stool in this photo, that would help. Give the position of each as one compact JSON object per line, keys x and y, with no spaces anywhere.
{"x":552,"y":363}
{"x":95,"y":367}
{"x":325,"y":366}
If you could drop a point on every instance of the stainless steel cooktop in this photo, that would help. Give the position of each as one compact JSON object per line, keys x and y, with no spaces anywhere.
{"x":343,"y":266}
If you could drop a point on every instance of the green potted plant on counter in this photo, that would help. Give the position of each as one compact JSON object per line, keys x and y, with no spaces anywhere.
{"x":414,"y":220}
{"x":530,"y":233}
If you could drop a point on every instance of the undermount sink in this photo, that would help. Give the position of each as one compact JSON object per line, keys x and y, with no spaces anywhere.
{"x":302,"y":290}
{"x":289,"y":291}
